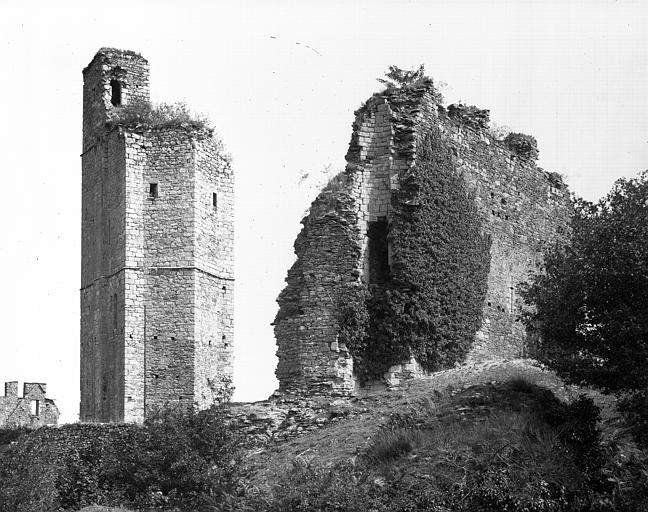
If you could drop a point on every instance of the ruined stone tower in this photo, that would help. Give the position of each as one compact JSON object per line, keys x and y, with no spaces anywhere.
{"x":157,"y":253}
{"x":347,"y":237}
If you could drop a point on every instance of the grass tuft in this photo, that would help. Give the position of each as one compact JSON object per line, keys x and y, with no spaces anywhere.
{"x":392,"y":444}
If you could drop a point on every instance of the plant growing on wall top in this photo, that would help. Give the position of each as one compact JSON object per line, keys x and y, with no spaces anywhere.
{"x":160,"y":115}
{"x":397,"y":78}
{"x":524,"y":145}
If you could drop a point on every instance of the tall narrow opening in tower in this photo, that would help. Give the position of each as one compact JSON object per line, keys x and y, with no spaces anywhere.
{"x":115,"y":93}
{"x":379,"y":270}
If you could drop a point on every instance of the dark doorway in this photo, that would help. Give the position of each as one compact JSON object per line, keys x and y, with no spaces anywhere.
{"x":378,"y":251}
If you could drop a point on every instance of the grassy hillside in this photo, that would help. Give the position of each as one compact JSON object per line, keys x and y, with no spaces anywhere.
{"x":495,"y":437}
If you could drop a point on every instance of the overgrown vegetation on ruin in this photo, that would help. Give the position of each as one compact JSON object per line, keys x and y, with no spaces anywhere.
{"x":177,"y":459}
{"x":523,"y":145}
{"x":590,"y":299}
{"x":161,"y":115}
{"x":402,"y":79}
{"x":431,"y":308}
{"x":506,"y":447}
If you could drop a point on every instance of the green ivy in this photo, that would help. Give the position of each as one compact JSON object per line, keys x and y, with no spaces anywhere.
{"x":432,"y":306}
{"x":524,"y":145}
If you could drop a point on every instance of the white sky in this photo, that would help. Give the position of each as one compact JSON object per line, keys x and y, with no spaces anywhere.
{"x":280,"y":81}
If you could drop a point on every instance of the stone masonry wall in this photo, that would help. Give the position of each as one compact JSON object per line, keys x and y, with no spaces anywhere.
{"x":32,"y":409}
{"x":332,"y":255}
{"x":157,"y":284}
{"x":102,"y":279}
{"x":130,"y":69}
{"x":523,"y":209}
{"x":214,"y":284}
{"x":306,"y":327}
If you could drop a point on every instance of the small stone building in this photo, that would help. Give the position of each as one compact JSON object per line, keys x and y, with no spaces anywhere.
{"x":32,"y":409}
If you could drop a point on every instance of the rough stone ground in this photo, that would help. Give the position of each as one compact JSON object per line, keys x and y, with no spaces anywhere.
{"x":327,"y":431}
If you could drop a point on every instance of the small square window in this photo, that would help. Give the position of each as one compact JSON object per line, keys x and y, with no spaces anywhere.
{"x":153,"y":190}
{"x":215,"y":200}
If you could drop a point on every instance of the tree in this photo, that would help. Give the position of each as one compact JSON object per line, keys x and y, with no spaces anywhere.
{"x":590,"y":305}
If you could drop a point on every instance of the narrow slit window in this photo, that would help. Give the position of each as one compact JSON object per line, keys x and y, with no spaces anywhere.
{"x":214,"y":200}
{"x":115,"y":93}
{"x":153,"y":190}
{"x":35,"y":407}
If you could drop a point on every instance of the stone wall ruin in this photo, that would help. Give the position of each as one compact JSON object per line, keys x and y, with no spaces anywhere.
{"x":344,"y":239}
{"x":33,"y":409}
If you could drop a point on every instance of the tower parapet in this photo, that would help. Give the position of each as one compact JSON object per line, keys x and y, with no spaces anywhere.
{"x":113,"y":78}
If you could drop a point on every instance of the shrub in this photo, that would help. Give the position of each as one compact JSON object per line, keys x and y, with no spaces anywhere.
{"x":524,"y":145}
{"x":397,"y":78}
{"x":9,"y":435}
{"x":173,"y":460}
{"x":634,"y":407}
{"x":589,"y":301}
{"x":145,"y":114}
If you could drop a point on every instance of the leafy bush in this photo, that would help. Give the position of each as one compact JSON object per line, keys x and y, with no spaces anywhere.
{"x":634,"y":407}
{"x":589,"y":301}
{"x":146,"y":114}
{"x":524,"y":145}
{"x":397,"y":78}
{"x":9,"y":435}
{"x":174,"y":460}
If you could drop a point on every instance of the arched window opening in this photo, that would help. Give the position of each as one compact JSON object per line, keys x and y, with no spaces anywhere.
{"x":115,"y":92}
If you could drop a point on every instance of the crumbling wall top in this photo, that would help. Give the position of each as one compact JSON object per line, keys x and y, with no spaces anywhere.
{"x":108,"y":53}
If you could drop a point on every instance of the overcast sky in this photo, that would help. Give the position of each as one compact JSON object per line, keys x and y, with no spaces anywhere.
{"x":280,"y":82}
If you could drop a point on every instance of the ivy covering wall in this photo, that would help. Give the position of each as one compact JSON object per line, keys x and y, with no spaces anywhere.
{"x":431,"y":308}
